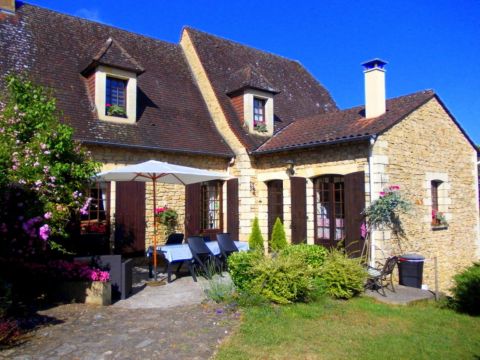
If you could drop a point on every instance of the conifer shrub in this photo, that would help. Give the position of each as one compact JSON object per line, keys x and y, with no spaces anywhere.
{"x":279,"y":240}
{"x":466,"y":291}
{"x":341,"y":276}
{"x":255,"y":241}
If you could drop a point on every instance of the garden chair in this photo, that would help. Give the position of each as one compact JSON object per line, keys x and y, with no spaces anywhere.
{"x":174,"y":239}
{"x":227,"y":246}
{"x":203,"y":258}
{"x":380,"y":278}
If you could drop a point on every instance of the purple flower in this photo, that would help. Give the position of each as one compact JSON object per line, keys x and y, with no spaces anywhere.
{"x":364,"y":230}
{"x":47,"y":215}
{"x":44,"y":232}
{"x":84,"y":209}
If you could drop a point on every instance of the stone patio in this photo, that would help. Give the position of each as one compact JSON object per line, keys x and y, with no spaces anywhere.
{"x":403,"y":295}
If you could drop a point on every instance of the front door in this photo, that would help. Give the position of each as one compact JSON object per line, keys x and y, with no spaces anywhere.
{"x":275,"y":203}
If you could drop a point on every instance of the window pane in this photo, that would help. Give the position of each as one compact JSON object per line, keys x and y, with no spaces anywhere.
{"x":211,"y":206}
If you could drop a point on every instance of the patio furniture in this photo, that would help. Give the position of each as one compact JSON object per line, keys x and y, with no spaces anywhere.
{"x":174,"y":239}
{"x":180,"y":253}
{"x":227,"y":246}
{"x":203,"y":257}
{"x":120,"y":272}
{"x":380,"y":278}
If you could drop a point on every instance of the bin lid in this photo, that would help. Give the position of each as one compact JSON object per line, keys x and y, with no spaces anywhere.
{"x":408,"y":257}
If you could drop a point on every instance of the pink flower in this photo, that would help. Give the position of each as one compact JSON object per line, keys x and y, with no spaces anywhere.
{"x":363,"y":230}
{"x":382,"y":193}
{"x":47,"y":215}
{"x":84,"y":209}
{"x":160,"y":210}
{"x":394,"y":187}
{"x":44,"y":232}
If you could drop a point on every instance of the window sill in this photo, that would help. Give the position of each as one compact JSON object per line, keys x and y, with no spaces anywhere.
{"x":439,"y":227}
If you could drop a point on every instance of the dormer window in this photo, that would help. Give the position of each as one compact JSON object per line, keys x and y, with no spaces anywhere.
{"x":259,"y":123}
{"x":115,"y":98}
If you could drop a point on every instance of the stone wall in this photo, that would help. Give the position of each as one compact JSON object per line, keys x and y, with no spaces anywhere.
{"x":339,"y":159}
{"x":426,"y":146}
{"x":171,"y":195}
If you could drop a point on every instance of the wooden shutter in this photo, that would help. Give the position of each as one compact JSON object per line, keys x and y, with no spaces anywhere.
{"x":130,"y":217}
{"x":232,"y":208}
{"x":193,"y":200}
{"x":275,"y":203}
{"x":354,"y":205}
{"x":298,"y":186}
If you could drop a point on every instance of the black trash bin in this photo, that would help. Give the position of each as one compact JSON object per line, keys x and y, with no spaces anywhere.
{"x":410,"y":269}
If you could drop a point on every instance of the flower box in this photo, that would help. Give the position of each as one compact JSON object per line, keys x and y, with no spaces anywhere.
{"x":87,"y":292}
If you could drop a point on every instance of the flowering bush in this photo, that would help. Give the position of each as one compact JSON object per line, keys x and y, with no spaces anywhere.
{"x":386,"y":210}
{"x":438,"y":218}
{"x":41,"y":170}
{"x":76,"y":270}
{"x":167,"y":217}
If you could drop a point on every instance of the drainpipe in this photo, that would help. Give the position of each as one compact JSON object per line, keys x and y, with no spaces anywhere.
{"x":370,"y":171}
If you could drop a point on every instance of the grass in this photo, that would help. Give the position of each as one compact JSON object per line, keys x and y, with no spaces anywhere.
{"x":356,"y":329}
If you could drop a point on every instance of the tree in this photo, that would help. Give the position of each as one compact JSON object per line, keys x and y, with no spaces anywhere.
{"x":279,"y":240}
{"x":255,"y":241}
{"x":42,"y":172}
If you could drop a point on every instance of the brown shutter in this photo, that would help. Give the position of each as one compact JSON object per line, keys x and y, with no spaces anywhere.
{"x":130,"y":217}
{"x":298,"y":187}
{"x":275,"y":203}
{"x":193,"y":199}
{"x":354,"y":205}
{"x":232,"y":208}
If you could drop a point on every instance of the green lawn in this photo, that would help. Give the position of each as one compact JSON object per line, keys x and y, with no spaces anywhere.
{"x":356,"y":329}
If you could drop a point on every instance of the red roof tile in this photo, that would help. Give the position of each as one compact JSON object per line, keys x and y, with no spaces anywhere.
{"x":345,"y":125}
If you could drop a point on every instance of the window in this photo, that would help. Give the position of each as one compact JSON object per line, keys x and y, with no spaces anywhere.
{"x":329,"y":210}
{"x":94,"y":221}
{"x":115,"y":99}
{"x":438,"y":218}
{"x":258,"y":112}
{"x":211,"y":205}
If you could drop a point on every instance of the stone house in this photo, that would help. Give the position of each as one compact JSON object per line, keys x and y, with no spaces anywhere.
{"x":215,"y":104}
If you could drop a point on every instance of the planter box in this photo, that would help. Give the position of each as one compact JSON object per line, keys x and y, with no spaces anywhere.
{"x":88,"y":292}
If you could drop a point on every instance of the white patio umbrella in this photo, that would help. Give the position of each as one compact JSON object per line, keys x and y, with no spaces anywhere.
{"x":161,"y":172}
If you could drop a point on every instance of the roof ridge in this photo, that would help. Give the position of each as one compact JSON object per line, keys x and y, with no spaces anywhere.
{"x":251,"y":47}
{"x":78,"y":18}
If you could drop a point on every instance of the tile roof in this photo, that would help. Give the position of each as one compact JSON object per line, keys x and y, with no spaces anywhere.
{"x":249,"y":77}
{"x":54,"y":49}
{"x":114,"y":55}
{"x":300,"y":94}
{"x":344,"y":125}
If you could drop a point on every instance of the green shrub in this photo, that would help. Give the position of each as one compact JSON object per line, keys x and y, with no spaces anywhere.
{"x":255,"y":241}
{"x":282,"y":279}
{"x":343,"y":277}
{"x":312,"y":255}
{"x":240,"y":267}
{"x":279,"y":240}
{"x":220,"y":289}
{"x":466,"y":291}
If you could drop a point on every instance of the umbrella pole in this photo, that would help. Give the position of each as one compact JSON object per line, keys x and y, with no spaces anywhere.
{"x":154,"y":230}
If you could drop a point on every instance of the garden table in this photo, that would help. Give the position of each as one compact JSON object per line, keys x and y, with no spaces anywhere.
{"x":179,"y":253}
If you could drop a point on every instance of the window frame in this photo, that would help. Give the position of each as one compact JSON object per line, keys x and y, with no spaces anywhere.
{"x":262,"y":102}
{"x":94,"y":222}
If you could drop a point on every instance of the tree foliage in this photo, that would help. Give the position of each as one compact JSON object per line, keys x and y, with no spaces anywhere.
{"x":279,"y":239}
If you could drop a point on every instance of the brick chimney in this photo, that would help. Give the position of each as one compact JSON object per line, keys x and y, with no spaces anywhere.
{"x":375,"y":98}
{"x":7,"y":6}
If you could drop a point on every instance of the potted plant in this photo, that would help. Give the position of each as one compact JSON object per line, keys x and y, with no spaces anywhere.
{"x":438,"y":219}
{"x":115,"y":110}
{"x":168,"y":218}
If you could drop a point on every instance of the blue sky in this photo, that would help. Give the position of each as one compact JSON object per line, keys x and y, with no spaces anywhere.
{"x":429,"y":44}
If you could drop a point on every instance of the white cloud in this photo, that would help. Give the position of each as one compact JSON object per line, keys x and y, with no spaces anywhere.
{"x":89,"y":14}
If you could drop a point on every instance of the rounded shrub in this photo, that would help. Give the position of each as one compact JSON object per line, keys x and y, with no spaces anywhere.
{"x":240,"y":267}
{"x":311,"y":255}
{"x":342,"y":277}
{"x":466,"y":291}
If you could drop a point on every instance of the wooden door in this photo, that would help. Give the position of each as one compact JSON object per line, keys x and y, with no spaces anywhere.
{"x":193,"y":194}
{"x":298,"y":186}
{"x":130,"y":217}
{"x":354,"y":205}
{"x":232,"y":208}
{"x":275,"y":203}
